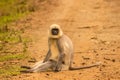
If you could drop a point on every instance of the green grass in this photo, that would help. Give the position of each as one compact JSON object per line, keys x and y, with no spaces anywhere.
{"x":11,"y":57}
{"x":10,"y":36}
{"x":11,"y":10}
{"x":6,"y":19}
{"x":11,"y":70}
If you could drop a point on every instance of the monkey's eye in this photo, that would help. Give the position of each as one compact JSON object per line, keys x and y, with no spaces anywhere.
{"x":55,"y":31}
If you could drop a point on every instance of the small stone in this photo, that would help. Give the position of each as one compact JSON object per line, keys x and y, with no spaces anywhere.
{"x":103,"y":65}
{"x":95,"y":51}
{"x":83,"y":63}
{"x":47,"y":74}
{"x":73,"y":62}
{"x":97,"y":54}
{"x":113,"y":60}
{"x":113,"y":50}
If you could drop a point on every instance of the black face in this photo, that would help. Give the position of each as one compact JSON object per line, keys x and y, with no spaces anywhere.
{"x":55,"y":31}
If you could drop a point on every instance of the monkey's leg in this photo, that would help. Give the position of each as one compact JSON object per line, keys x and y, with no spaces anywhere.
{"x":37,"y":64}
{"x":58,"y":66}
{"x":41,"y":67}
{"x":66,"y":64}
{"x":28,"y":67}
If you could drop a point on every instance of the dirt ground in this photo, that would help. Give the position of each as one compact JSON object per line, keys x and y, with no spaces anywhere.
{"x":94,"y":28}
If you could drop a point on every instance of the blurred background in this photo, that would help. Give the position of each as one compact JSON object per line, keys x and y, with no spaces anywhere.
{"x":92,"y":25}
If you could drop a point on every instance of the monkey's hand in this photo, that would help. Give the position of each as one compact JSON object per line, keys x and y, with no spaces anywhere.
{"x":58,"y":68}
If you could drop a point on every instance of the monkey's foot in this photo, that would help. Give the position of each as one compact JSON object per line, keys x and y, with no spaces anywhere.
{"x":26,"y":71}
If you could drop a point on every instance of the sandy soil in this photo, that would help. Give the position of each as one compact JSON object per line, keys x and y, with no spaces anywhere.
{"x":94,"y":28}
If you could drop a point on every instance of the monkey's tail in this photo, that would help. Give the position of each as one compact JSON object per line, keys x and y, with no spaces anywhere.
{"x":85,"y":67}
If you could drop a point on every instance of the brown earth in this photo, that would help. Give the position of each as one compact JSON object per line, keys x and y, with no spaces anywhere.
{"x":94,"y":28}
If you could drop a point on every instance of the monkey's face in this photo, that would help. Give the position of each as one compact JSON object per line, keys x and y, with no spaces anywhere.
{"x":55,"y":31}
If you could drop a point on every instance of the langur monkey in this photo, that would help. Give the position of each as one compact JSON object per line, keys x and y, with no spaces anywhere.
{"x":60,"y":53}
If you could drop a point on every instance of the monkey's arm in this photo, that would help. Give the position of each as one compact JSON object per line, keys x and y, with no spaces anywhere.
{"x":47,"y":56}
{"x":61,"y":56}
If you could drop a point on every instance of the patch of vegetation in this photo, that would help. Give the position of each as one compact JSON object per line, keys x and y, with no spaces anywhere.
{"x":10,"y":36}
{"x":11,"y":10}
{"x":11,"y":70}
{"x":11,"y":57}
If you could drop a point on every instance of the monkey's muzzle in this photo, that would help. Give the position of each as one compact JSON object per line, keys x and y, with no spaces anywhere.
{"x":55,"y":31}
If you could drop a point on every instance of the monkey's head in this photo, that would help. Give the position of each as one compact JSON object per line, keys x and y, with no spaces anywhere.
{"x":55,"y":31}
